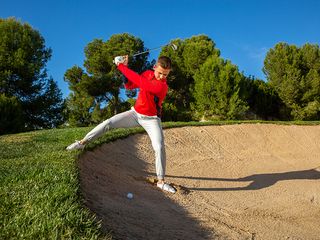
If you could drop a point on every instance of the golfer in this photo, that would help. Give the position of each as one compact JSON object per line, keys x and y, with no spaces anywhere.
{"x":146,"y":111}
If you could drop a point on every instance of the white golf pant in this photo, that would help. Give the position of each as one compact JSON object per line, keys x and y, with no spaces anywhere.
{"x":152,"y":125}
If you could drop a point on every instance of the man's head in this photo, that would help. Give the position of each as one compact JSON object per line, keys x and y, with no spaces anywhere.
{"x":162,"y":68}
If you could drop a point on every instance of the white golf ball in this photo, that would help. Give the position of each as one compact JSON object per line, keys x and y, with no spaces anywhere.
{"x":129,"y":195}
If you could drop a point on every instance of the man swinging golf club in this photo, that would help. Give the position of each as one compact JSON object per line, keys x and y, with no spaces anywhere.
{"x":146,"y":111}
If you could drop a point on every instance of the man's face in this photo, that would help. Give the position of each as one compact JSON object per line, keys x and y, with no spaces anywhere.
{"x":160,"y":73}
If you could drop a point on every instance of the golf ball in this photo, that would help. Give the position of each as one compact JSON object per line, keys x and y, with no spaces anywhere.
{"x":129,"y":195}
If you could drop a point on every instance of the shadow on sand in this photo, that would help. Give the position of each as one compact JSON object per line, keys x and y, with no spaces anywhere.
{"x":257,"y":181}
{"x":108,"y":173}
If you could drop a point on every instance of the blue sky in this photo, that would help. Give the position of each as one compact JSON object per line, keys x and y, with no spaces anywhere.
{"x":243,"y":30}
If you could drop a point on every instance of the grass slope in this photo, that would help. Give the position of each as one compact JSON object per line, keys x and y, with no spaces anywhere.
{"x":39,"y":189}
{"x":39,"y":185}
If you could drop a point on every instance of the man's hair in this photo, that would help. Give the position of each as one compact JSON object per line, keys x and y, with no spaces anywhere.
{"x":164,"y":62}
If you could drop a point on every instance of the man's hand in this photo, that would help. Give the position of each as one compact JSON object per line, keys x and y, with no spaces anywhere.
{"x":121,"y":59}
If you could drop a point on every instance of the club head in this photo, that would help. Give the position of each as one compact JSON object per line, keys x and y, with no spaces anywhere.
{"x":174,"y":47}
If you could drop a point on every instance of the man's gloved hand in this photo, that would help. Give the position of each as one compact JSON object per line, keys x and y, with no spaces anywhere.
{"x":120,"y":59}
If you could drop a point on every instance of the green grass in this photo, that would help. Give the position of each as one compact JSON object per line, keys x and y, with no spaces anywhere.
{"x":39,"y":183}
{"x":39,"y":189}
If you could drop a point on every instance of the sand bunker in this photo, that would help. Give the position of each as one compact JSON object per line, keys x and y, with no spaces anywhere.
{"x":246,"y":181}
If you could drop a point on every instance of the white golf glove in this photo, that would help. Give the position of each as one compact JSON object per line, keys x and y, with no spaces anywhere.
{"x":119,"y":59}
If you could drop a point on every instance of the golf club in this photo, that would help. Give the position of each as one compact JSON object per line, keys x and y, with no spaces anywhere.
{"x":173,"y":47}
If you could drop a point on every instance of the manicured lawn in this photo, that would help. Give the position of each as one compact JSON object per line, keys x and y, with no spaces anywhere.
{"x":39,"y":185}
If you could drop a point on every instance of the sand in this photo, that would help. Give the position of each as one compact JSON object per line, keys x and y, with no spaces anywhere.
{"x":245,"y":181}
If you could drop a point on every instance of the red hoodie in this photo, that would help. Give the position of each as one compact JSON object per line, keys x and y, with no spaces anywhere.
{"x":152,"y":91}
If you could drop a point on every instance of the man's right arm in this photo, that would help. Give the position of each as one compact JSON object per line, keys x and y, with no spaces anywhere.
{"x":154,"y":87}
{"x":130,"y":85}
{"x":124,"y":60}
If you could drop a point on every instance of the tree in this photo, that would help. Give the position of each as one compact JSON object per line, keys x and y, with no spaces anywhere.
{"x":79,"y":102}
{"x":11,"y":115}
{"x":216,"y":91}
{"x":262,"y":99}
{"x":189,"y":56}
{"x":295,"y":75}
{"x":23,"y":58}
{"x":101,"y":81}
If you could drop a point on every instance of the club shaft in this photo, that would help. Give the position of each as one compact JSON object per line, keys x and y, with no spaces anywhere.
{"x":137,"y":54}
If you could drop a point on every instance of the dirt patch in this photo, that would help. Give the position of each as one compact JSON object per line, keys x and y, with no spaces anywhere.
{"x":246,"y":181}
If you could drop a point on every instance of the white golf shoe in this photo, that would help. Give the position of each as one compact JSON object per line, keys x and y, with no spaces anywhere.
{"x":166,"y":187}
{"x":75,"y":146}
